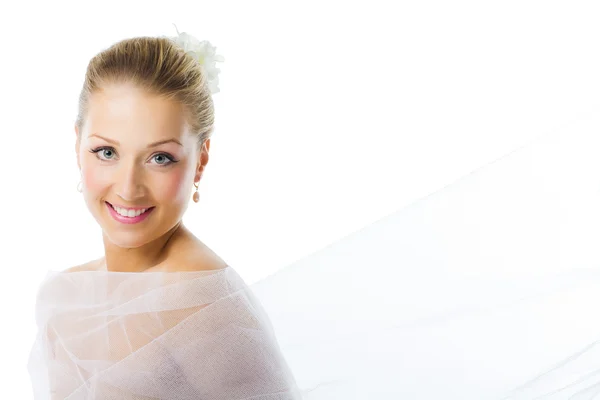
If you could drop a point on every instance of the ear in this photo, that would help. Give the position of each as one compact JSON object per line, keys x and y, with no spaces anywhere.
{"x":77,"y":144}
{"x":202,"y":160}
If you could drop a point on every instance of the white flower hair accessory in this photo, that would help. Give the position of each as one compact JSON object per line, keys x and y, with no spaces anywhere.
{"x":204,"y":53}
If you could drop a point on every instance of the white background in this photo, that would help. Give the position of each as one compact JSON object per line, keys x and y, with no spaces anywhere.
{"x":331,"y":115}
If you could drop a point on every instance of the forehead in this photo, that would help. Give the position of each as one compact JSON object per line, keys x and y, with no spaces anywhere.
{"x":124,"y":107}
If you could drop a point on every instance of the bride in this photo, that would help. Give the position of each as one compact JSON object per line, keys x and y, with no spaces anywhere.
{"x":160,"y":316}
{"x":485,"y":290}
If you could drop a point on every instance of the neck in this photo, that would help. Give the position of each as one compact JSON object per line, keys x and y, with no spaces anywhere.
{"x":139,"y":259}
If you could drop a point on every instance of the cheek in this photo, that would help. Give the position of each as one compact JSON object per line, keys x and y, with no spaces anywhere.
{"x":94,"y":180}
{"x":174,"y":186}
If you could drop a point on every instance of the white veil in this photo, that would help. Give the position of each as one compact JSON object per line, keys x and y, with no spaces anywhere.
{"x":487,"y":289}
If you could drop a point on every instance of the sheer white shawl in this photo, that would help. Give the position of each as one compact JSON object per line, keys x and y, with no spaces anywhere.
{"x":155,"y":335}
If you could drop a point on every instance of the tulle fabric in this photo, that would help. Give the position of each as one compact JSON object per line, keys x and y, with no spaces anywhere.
{"x":155,"y":335}
{"x":487,"y":289}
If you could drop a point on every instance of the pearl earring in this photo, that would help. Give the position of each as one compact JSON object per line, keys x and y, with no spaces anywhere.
{"x":196,"y":197}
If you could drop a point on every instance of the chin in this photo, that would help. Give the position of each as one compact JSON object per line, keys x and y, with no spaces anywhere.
{"x":127,"y":240}
{"x":128,"y":236}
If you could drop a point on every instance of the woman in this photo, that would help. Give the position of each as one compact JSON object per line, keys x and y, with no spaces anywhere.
{"x":485,"y":290}
{"x":160,"y":316}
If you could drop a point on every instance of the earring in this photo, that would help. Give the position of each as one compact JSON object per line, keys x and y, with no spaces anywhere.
{"x":80,"y":187}
{"x":196,"y":196}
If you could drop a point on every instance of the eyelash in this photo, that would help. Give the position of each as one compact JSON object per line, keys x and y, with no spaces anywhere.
{"x":99,"y":149}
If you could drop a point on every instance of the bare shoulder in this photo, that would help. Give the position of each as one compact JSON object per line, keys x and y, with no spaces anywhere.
{"x":199,"y":258}
{"x":88,"y":266}
{"x":192,"y":254}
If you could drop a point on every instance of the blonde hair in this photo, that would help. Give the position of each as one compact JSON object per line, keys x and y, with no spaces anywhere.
{"x":158,"y":65}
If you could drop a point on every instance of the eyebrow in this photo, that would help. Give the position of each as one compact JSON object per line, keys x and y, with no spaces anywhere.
{"x":149,"y":146}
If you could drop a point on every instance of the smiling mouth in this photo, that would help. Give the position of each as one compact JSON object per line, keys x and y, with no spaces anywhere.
{"x":129,"y":213}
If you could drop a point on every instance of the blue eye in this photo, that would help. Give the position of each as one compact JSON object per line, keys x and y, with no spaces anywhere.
{"x":168,"y":159}
{"x":104,"y":150}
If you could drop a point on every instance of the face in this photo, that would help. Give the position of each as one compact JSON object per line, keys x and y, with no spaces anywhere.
{"x":135,"y":151}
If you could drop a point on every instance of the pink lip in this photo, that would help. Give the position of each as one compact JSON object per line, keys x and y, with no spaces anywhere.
{"x":127,"y":220}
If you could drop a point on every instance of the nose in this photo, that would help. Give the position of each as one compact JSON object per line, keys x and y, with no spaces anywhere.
{"x":129,"y":184}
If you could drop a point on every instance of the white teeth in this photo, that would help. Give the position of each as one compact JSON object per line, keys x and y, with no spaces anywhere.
{"x":128,"y":213}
